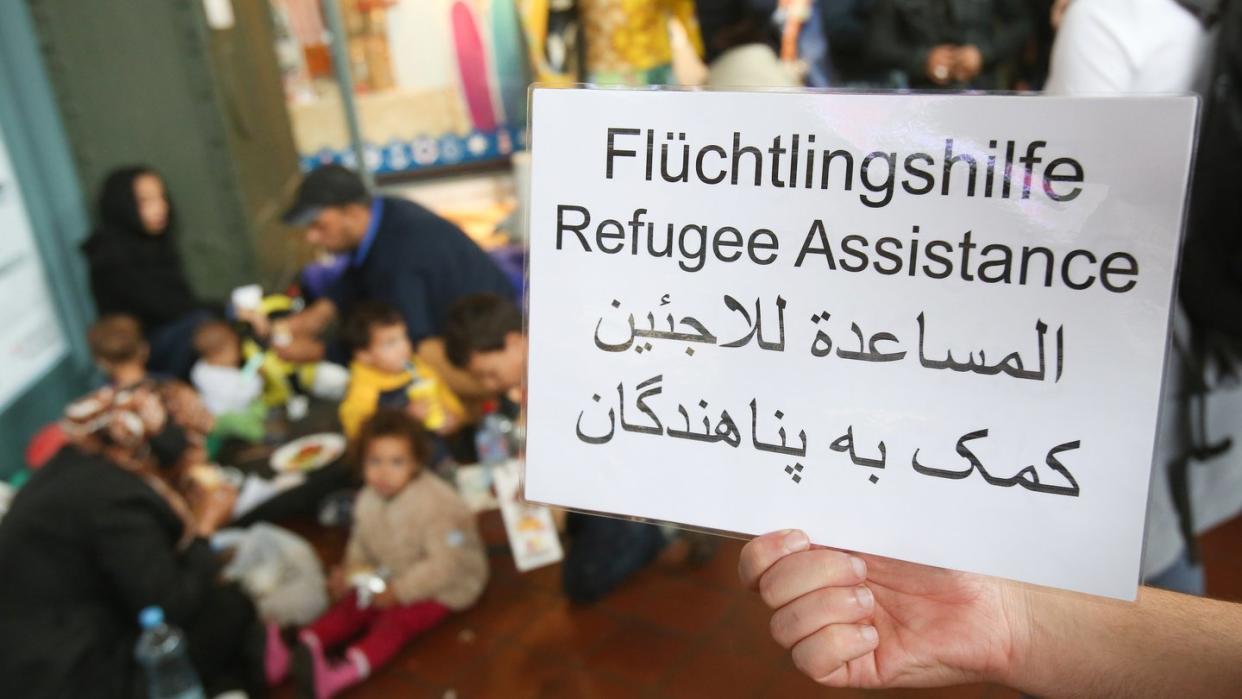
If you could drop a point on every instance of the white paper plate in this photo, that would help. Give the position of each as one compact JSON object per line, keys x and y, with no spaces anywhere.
{"x":308,"y":453}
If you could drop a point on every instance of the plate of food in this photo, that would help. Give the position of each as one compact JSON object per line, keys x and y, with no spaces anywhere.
{"x":308,"y":453}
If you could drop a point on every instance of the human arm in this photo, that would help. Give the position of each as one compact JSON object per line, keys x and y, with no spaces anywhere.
{"x":683,"y":12}
{"x":460,"y":382}
{"x":1164,"y":644}
{"x":186,"y":408}
{"x":312,"y":320}
{"x":300,"y":349}
{"x":212,"y":507}
{"x":1056,"y":13}
{"x":296,"y":338}
{"x":937,"y":627}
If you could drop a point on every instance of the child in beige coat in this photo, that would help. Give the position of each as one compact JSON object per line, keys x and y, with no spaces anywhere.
{"x":413,"y":532}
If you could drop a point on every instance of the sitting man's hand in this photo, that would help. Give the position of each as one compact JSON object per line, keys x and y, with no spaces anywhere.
{"x":967,"y":63}
{"x":257,"y":320}
{"x":298,"y":349}
{"x":213,"y":508}
{"x":939,"y":65}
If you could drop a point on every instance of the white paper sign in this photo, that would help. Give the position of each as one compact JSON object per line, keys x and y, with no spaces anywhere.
{"x":925,"y":327}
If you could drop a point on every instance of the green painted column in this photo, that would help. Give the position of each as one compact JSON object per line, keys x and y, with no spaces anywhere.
{"x":53,"y":201}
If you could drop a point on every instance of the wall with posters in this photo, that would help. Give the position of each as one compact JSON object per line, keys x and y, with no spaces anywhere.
{"x":439,"y":83}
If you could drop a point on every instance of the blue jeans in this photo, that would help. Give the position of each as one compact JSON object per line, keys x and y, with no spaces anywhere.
{"x":603,"y":552}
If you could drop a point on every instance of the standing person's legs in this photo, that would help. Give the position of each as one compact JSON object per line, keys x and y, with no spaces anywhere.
{"x":392,"y":629}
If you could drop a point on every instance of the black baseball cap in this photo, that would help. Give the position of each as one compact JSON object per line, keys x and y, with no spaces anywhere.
{"x":327,"y":186}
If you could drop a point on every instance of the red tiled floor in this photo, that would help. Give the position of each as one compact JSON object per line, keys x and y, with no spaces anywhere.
{"x":390,"y":681}
{"x":441,"y":656}
{"x":711,"y":672}
{"x":547,"y":578}
{"x":459,"y":646}
{"x":513,"y":672}
{"x":639,"y":654}
{"x":505,"y":610}
{"x":583,"y":684}
{"x":394,"y":682}
{"x":569,"y":632}
{"x":745,"y":631}
{"x":676,"y":603}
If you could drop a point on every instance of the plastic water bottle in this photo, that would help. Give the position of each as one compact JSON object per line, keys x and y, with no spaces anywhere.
{"x":491,"y":440}
{"x":161,"y":650}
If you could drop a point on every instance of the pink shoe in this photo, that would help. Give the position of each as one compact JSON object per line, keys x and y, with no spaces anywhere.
{"x":316,"y":677}
{"x":275,"y":657}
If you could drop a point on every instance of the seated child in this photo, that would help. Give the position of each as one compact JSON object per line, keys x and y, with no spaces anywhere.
{"x":385,"y":374}
{"x":119,"y":350}
{"x":225,"y":386}
{"x":413,"y":530}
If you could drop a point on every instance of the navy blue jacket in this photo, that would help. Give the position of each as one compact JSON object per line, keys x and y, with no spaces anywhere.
{"x":420,"y":264}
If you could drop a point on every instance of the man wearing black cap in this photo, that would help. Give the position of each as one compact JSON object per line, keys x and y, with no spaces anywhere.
{"x":398,"y":253}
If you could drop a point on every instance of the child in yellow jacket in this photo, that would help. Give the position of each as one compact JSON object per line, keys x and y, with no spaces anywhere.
{"x":384,"y":373}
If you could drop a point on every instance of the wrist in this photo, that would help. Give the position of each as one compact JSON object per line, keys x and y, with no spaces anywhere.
{"x":1053,"y":629}
{"x":1023,"y":627}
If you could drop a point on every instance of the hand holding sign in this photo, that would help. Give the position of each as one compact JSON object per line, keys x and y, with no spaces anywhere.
{"x":864,"y":621}
{"x":871,"y":622}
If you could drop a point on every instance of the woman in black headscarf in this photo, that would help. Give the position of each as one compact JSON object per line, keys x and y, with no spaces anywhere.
{"x":135,"y":268}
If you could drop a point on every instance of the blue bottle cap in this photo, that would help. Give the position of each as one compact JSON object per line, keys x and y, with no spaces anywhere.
{"x":151,"y":617}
